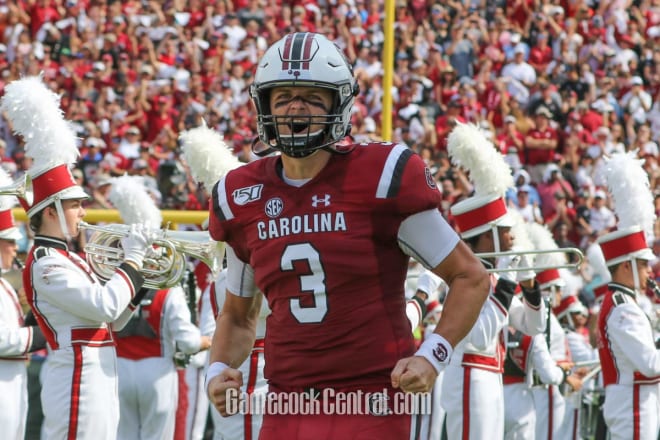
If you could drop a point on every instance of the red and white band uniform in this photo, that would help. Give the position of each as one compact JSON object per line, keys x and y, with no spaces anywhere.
{"x":548,"y":401}
{"x":429,"y":426}
{"x":329,"y":307}
{"x":241,"y":426}
{"x":16,"y":341}
{"x":198,"y":401}
{"x":631,"y":367}
{"x":581,"y":352}
{"x":77,"y":314}
{"x":528,"y":365}
{"x":148,"y":381}
{"x":472,"y":392}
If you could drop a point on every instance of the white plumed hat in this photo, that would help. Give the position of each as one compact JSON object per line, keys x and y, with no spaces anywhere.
{"x":8,"y":229}
{"x":132,"y":199}
{"x":491,"y":176}
{"x":35,"y":114}
{"x":628,"y":184}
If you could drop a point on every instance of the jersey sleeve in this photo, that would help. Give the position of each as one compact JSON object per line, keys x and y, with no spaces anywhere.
{"x":219,"y":211}
{"x":408,"y":182}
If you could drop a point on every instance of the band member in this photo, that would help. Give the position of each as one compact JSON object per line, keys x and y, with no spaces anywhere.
{"x":472,"y":392}
{"x":553,"y":418}
{"x":17,"y":339}
{"x":146,"y":346}
{"x":627,"y":350}
{"x":74,"y":310}
{"x":529,"y":367}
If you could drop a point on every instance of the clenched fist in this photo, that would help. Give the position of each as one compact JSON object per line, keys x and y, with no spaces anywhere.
{"x":217,"y":387}
{"x":414,"y":374}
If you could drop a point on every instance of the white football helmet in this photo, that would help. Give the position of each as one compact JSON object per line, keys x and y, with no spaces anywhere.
{"x":309,"y":60}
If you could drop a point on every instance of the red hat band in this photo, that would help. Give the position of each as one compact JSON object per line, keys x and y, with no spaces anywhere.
{"x":6,"y":220}
{"x":547,"y":276}
{"x":564,"y":305}
{"x":52,"y":182}
{"x":621,"y":246}
{"x":481,"y":215}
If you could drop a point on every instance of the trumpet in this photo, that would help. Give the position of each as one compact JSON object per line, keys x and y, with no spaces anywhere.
{"x":164,"y":265}
{"x":21,"y":188}
{"x":569,"y":251}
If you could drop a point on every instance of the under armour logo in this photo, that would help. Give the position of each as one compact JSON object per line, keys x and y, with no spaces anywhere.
{"x":316,"y":201}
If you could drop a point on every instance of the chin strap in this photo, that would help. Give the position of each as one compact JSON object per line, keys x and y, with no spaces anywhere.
{"x":496,"y":238}
{"x":637,"y":287}
{"x":60,"y":216}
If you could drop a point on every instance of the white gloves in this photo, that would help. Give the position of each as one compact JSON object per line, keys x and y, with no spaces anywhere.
{"x":508,"y":262}
{"x":525,"y":275}
{"x":515,"y":262}
{"x":136,"y":243}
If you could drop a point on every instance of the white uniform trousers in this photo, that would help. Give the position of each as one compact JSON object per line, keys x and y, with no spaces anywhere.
{"x":80,"y":396}
{"x":571,"y":429}
{"x":198,"y":401}
{"x":244,"y":426}
{"x":13,"y":398}
{"x":429,"y":426}
{"x":474,"y":403}
{"x":148,"y":392}
{"x":627,"y":411}
{"x":519,"y":413}
{"x":550,"y":413}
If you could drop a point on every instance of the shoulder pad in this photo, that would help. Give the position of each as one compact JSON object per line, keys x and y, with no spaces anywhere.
{"x":619,"y":298}
{"x":41,"y":252}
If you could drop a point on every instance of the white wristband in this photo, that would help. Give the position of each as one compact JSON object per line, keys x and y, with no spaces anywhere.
{"x":437,"y":350}
{"x":215,"y":369}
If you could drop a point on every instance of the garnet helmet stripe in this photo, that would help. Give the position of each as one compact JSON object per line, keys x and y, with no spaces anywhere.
{"x":286,"y":55}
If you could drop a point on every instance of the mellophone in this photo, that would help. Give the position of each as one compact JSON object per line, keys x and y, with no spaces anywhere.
{"x":164,"y":265}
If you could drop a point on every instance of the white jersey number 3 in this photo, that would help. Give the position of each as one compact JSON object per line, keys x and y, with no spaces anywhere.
{"x":313,"y":283}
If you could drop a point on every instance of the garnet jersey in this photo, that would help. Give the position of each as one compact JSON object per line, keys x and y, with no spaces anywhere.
{"x":326,"y":257}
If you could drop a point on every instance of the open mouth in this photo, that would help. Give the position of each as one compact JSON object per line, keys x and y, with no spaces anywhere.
{"x":298,"y":127}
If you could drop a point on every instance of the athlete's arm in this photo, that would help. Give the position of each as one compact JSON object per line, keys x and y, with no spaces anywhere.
{"x":234,"y":333}
{"x":427,"y":237}
{"x":235,"y":329}
{"x":469,"y":285}
{"x":236,"y":324}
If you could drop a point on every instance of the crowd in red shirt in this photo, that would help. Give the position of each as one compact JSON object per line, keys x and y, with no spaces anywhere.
{"x":551,"y":82}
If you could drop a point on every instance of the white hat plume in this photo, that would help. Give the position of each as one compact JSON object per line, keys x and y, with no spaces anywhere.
{"x":628,"y":183}
{"x":134,"y":203}
{"x":35,"y":114}
{"x":207,"y":155}
{"x":543,"y":240}
{"x":469,"y":149}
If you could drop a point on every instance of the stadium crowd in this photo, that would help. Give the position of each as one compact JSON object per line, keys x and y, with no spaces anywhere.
{"x":557,"y":86}
{"x":552,"y":83}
